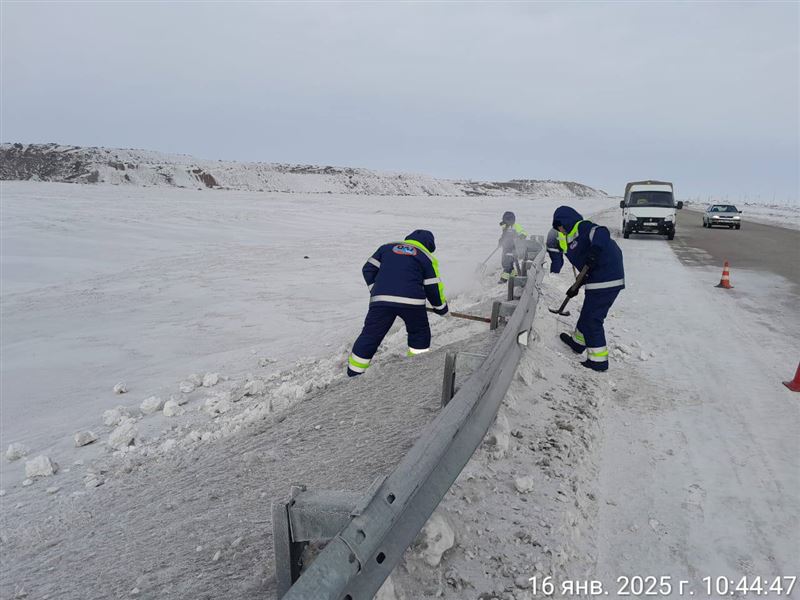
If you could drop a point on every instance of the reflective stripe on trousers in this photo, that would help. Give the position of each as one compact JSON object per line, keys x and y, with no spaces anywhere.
{"x":358,"y":364}
{"x":415,"y":351}
{"x":599,"y":354}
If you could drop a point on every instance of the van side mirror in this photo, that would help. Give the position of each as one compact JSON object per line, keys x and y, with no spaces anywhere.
{"x":680,"y":204}
{"x":740,"y":212}
{"x":622,"y":203}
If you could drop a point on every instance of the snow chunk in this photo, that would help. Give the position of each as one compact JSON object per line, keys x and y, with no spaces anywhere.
{"x":114,"y":416}
{"x":435,"y":539}
{"x":151,"y":405}
{"x":499,"y":437}
{"x":83,"y":438}
{"x":210,"y":379}
{"x":195,"y":379}
{"x":625,"y":349}
{"x":524,"y":484}
{"x":121,"y":388}
{"x":41,"y":466}
{"x":27,"y":482}
{"x":172,"y":408}
{"x":217,"y":554}
{"x":53,"y":490}
{"x":16,"y":451}
{"x":255,"y":387}
{"x":123,"y":436}
{"x":187,"y":387}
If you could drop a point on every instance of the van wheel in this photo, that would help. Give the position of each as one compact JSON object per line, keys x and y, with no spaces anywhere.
{"x":704,"y":223}
{"x":738,"y":227}
{"x":626,"y":233}
{"x":671,"y":235}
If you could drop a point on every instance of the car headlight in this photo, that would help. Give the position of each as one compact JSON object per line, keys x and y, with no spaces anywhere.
{"x":669,"y":218}
{"x":715,"y":217}
{"x":737,"y":217}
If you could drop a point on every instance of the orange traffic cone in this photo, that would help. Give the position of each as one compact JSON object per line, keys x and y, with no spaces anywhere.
{"x":725,"y":282}
{"x":794,"y":384}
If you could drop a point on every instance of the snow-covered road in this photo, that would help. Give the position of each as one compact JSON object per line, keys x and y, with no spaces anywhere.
{"x":701,"y":464}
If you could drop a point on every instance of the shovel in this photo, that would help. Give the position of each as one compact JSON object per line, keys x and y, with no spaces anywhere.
{"x":481,"y":267}
{"x":578,"y":281}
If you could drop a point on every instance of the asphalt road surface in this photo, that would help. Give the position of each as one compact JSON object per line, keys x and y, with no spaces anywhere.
{"x":754,"y":246}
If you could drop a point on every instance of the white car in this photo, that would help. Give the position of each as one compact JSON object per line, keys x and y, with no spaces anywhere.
{"x":726,"y":215}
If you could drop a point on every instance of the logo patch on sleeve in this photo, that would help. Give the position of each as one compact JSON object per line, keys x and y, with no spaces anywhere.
{"x":404,"y":250}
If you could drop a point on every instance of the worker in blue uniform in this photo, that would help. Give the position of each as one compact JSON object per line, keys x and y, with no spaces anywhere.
{"x":585,"y":243}
{"x":401,"y":277}
{"x":512,"y":245}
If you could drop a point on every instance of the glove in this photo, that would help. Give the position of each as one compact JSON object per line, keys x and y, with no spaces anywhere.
{"x":441,"y":311}
{"x":573,"y":290}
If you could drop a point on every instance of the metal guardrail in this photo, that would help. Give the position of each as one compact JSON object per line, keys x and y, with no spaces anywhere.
{"x":360,"y":556}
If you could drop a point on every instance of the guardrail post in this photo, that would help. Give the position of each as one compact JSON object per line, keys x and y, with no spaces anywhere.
{"x":305,"y":517}
{"x":288,"y":555}
{"x":468,"y":360}
{"x":449,"y":381}
{"x":495,"y":315}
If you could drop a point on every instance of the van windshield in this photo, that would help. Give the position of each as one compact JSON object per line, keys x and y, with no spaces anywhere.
{"x":663,"y":199}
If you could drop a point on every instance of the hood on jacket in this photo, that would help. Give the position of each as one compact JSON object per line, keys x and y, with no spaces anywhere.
{"x":424,"y":237}
{"x":566,"y":217}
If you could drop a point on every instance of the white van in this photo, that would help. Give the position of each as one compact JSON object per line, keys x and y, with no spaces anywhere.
{"x":649,"y":207}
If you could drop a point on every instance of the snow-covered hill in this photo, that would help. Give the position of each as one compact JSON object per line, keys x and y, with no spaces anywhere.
{"x":73,"y":164}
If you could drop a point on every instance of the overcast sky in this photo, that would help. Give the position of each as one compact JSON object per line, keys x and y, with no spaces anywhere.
{"x":704,"y":95}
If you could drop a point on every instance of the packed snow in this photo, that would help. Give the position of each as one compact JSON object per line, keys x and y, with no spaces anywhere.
{"x":680,"y":461}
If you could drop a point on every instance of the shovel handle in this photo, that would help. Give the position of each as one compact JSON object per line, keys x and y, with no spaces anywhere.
{"x":459,"y":315}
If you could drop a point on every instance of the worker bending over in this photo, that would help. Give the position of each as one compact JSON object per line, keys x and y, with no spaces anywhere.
{"x":400,"y":276}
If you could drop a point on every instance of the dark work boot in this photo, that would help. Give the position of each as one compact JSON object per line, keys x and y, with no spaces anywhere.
{"x":576,"y":347}
{"x":595,"y":366}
